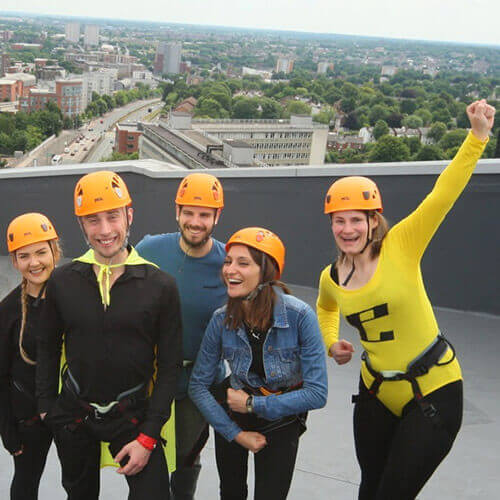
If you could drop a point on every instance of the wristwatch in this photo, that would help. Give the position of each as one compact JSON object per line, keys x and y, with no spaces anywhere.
{"x":249,"y":404}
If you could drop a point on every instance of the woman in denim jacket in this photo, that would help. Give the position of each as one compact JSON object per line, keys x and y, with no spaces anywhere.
{"x":272,"y":343}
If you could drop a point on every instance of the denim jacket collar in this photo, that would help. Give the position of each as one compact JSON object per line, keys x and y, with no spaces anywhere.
{"x":279,"y":312}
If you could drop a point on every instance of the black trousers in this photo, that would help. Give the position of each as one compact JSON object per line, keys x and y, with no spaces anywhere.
{"x":274,"y":465}
{"x":398,"y":455}
{"x":79,"y":450}
{"x":28,"y":466}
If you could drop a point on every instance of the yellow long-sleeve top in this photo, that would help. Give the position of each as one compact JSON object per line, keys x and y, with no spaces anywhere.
{"x":392,"y":311}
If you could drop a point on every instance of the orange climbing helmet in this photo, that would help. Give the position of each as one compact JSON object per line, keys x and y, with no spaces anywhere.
{"x":28,"y":229}
{"x":200,"y":190}
{"x":99,"y":192}
{"x":263,"y":240}
{"x":353,"y":193}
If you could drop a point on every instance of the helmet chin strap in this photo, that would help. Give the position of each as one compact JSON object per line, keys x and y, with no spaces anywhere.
{"x":258,"y":288}
{"x":368,"y":241}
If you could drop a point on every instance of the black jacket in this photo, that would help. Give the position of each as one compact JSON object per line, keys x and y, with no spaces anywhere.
{"x":109,"y":351}
{"x":17,"y":378}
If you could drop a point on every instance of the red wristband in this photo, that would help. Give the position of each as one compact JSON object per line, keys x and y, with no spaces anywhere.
{"x":148,"y":442}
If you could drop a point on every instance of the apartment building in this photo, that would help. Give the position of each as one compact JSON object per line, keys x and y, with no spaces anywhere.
{"x":72,"y":31}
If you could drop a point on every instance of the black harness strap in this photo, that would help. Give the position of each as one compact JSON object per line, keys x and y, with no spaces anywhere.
{"x":417,"y":368}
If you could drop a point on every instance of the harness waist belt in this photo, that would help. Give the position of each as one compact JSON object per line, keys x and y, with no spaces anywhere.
{"x":416,"y":368}
{"x":122,"y":401}
{"x":264,"y":391}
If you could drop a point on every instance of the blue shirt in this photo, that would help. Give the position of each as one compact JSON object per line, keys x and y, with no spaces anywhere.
{"x":200,"y":285}
{"x":293,"y":352}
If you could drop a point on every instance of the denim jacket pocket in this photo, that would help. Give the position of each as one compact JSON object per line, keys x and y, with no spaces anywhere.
{"x":287,"y":365}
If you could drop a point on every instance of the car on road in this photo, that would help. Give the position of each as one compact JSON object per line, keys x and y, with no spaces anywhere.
{"x":66,"y":150}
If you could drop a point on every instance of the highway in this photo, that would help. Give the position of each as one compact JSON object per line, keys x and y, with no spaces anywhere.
{"x":81,"y":143}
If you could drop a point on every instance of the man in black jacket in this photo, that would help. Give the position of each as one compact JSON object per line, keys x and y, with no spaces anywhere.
{"x":119,"y":318}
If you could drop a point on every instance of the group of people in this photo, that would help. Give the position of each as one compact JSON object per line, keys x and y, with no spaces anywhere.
{"x":98,"y":354}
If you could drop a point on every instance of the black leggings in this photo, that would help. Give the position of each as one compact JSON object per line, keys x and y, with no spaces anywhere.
{"x":398,"y":455}
{"x":274,"y":465}
{"x":28,"y":466}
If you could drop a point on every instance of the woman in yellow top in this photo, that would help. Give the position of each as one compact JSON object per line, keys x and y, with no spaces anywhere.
{"x":409,"y":408}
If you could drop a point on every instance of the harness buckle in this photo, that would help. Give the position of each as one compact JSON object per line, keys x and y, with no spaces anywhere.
{"x":429,"y":410}
{"x":101,"y":411}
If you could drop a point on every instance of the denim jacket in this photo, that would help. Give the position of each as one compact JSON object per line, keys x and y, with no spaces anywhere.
{"x":293,"y":353}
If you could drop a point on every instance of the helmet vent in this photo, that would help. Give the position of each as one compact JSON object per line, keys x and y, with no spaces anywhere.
{"x":44,"y":227}
{"x":366,"y":195}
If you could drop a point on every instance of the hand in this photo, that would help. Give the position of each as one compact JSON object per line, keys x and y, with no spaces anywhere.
{"x":481,"y":116}
{"x":18,"y":452}
{"x":253,"y":441}
{"x":237,"y":400}
{"x":341,"y":351}
{"x":42,"y":416}
{"x":138,"y":457}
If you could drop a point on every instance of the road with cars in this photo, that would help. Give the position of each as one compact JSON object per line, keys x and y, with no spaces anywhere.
{"x":73,"y":146}
{"x":96,"y":139}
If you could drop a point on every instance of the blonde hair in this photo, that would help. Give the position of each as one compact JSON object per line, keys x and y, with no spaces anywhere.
{"x":55,"y":248}
{"x":378,"y":235}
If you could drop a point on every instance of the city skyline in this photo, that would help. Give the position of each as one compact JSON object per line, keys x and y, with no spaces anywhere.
{"x":472,"y":21}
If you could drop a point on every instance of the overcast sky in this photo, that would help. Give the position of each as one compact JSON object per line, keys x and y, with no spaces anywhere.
{"x":474,"y":21}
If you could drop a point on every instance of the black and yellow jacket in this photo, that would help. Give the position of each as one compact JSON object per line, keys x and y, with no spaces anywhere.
{"x":113,"y":348}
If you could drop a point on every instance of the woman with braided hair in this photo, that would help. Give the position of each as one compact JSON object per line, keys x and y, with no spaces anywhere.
{"x":33,"y":245}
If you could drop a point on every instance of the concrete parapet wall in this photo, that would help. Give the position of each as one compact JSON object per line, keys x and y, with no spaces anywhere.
{"x":461,"y":266}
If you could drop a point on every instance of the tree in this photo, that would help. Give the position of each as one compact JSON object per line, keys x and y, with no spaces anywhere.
{"x":413,"y":121}
{"x":67,"y":123}
{"x":210,"y":108}
{"x":298,"y":108}
{"x":408,"y":106}
{"x":394,"y":119}
{"x":381,"y":128}
{"x":35,"y":137}
{"x":347,"y":105}
{"x":352,"y":122}
{"x":425,"y":114}
{"x":453,"y":139}
{"x":378,"y":112}
{"x":246,"y":108}
{"x":325,"y":116}
{"x":271,"y":108}
{"x":389,"y":149}
{"x":115,"y":156}
{"x":428,"y":153}
{"x":413,"y":144}
{"x":437,"y":131}
{"x":441,"y":115}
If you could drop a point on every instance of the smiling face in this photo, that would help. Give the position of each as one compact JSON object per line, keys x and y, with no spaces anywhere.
{"x":350,"y":230}
{"x":240,"y":272}
{"x":196,"y":224}
{"x":107,"y":232}
{"x":35,"y":262}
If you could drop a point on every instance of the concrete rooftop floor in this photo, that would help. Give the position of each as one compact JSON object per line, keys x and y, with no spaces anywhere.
{"x":326,"y":465}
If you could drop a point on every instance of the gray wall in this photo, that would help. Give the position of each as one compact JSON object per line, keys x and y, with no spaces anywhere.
{"x":461,"y":266}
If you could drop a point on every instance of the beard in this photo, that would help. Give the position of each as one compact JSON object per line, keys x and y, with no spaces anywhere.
{"x":194,"y":244}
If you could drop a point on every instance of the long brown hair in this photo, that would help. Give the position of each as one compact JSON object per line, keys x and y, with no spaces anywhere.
{"x":378,"y":235}
{"x":55,"y":248}
{"x":260,"y":313}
